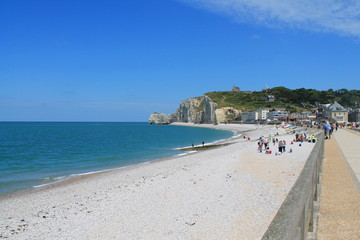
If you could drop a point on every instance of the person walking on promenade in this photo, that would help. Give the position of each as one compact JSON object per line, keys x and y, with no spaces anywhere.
{"x":327,"y":130}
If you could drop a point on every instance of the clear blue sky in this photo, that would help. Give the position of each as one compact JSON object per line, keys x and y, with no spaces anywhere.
{"x":121,"y":60}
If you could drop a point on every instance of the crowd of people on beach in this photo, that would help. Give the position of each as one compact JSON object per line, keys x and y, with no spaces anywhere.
{"x":300,"y":137}
{"x":264,"y":143}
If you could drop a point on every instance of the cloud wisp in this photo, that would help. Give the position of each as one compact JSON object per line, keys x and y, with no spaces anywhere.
{"x":341,"y":17}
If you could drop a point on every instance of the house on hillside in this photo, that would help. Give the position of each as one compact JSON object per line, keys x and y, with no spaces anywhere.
{"x":270,"y":98}
{"x":335,"y":112}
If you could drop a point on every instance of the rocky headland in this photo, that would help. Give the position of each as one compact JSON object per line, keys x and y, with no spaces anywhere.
{"x":196,"y":110}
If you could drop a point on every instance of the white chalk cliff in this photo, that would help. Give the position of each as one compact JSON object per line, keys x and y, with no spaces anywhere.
{"x":194,"y":110}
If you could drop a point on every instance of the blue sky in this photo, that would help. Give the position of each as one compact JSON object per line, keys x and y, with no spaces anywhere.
{"x":92,"y":60}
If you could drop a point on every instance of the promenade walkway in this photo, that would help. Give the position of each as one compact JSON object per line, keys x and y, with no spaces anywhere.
{"x":339,"y":216}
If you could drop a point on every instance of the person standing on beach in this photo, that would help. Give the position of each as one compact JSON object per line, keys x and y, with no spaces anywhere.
{"x":203,"y":143}
{"x":280,"y":146}
{"x":259,"y":147}
{"x":266,"y":143}
{"x":284,"y":146}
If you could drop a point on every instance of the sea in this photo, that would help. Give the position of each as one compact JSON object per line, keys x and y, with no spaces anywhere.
{"x":35,"y":154}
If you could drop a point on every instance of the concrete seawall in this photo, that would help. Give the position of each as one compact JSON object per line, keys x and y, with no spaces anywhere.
{"x":296,"y":218}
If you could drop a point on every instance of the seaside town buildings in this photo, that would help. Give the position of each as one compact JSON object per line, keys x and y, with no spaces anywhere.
{"x":304,"y":116}
{"x":263,"y":114}
{"x":250,"y":116}
{"x":324,"y":112}
{"x":277,"y":113}
{"x":331,"y":112}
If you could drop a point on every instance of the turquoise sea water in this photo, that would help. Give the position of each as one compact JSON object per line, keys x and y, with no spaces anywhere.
{"x":34,"y":154}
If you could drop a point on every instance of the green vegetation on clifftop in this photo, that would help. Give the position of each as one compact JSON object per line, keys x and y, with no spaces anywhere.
{"x":294,"y":100}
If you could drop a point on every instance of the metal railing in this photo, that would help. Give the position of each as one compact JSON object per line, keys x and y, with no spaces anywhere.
{"x":295,"y":217}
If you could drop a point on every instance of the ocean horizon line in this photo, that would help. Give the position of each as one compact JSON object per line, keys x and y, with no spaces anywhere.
{"x":39,"y":121}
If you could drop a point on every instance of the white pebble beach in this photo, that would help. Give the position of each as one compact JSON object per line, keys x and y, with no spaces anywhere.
{"x":231,"y":192}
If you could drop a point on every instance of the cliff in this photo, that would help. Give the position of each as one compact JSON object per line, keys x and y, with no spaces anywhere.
{"x":196,"y":110}
{"x":161,"y":118}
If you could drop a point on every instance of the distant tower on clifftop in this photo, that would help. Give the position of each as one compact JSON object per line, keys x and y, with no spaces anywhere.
{"x":235,"y":89}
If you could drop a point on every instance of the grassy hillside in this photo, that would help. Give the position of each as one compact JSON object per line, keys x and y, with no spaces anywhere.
{"x":294,"y":100}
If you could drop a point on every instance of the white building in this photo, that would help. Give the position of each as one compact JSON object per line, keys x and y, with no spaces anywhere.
{"x":249,"y":116}
{"x":262,"y":113}
{"x":277,"y":113}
